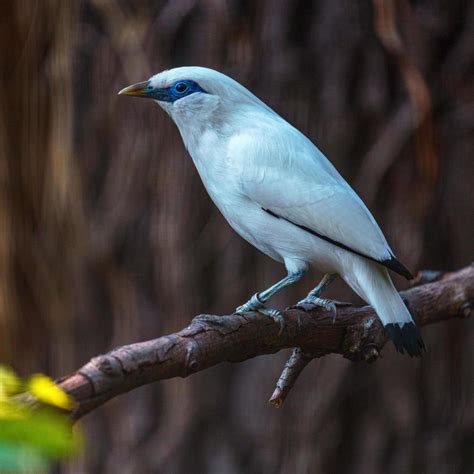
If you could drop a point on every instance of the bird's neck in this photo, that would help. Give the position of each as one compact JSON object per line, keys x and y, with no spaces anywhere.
{"x":193,"y":125}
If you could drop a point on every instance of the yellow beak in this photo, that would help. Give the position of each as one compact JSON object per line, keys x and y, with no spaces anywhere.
{"x":135,"y":90}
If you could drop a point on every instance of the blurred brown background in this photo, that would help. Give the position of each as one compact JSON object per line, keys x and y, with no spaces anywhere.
{"x":107,"y":236}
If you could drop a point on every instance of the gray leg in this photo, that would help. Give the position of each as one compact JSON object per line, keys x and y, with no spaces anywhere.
{"x":313,"y":299}
{"x":258,"y":300}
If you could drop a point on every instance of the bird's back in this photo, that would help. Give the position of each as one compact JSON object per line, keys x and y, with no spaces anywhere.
{"x":283,"y":171}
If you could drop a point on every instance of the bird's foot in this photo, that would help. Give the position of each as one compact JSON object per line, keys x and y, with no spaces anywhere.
{"x":254,"y":304}
{"x":312,"y":302}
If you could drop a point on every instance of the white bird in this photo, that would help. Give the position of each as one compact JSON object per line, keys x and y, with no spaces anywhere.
{"x":281,"y":194}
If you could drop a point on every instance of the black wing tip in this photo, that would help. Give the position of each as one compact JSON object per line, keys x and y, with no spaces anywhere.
{"x":407,"y":338}
{"x":393,"y":264}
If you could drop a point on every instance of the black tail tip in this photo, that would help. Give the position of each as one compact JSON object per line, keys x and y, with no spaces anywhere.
{"x":407,"y":338}
{"x":398,"y":267}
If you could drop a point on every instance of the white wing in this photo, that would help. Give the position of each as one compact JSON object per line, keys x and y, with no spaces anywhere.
{"x":286,"y":175}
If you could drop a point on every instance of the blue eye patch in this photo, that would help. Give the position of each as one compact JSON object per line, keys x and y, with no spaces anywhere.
{"x":175,"y":92}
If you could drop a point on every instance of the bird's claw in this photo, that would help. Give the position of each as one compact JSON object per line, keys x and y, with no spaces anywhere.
{"x":276,"y":315}
{"x":312,"y":302}
{"x":255,"y":304}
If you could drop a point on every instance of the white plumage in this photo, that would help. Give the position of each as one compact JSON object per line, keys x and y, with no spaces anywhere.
{"x":280,"y":193}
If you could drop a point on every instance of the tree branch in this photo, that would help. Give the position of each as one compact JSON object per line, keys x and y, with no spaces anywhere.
{"x":357,"y":334}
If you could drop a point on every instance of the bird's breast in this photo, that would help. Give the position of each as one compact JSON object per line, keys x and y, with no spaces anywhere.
{"x":220,"y":173}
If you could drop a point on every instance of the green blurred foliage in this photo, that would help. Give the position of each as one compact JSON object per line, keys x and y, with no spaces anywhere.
{"x":33,"y":432}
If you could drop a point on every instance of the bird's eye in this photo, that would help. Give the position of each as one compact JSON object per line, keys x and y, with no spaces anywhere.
{"x":181,"y":87}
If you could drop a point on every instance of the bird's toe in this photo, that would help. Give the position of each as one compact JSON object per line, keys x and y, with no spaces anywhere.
{"x":312,"y":302}
{"x":254,"y":304}
{"x":276,"y":315}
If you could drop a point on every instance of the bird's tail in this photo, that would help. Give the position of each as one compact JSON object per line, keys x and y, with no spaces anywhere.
{"x":372,"y":282}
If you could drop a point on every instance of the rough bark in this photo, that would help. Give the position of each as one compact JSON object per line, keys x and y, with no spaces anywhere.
{"x":356,"y":334}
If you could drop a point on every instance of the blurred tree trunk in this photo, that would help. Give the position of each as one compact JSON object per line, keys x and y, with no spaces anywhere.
{"x":102,"y":213}
{"x":41,"y":207}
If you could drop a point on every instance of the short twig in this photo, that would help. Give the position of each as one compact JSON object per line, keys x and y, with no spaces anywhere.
{"x":293,"y":368}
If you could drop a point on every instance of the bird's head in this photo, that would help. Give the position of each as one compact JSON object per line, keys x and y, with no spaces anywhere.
{"x":193,"y":94}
